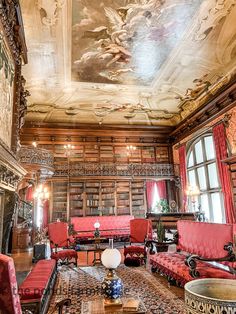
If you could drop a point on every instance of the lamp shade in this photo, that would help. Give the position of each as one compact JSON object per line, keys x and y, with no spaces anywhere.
{"x":96,"y":225}
{"x":111,"y":258}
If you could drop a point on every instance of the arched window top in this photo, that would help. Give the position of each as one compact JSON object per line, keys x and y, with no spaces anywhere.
{"x":202,"y":150}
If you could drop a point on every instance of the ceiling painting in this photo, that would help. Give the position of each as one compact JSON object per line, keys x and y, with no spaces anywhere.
{"x":123,"y":41}
{"x":127,"y":62}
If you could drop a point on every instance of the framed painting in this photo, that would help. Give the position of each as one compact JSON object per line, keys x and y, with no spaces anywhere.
{"x":7,"y":74}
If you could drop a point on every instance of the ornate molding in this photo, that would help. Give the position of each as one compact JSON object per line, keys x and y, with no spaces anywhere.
{"x":37,"y":158}
{"x":222,"y":102}
{"x":119,"y":170}
{"x":9,"y":20}
{"x":8,"y":178}
{"x":49,"y":10}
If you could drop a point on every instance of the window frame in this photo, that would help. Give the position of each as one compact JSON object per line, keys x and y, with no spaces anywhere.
{"x":208,"y":191}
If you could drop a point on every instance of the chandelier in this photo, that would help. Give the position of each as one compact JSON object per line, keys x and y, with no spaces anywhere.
{"x":130,"y":149}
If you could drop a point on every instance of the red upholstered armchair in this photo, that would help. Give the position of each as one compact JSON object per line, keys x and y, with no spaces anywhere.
{"x":140,"y":231}
{"x":62,"y":245}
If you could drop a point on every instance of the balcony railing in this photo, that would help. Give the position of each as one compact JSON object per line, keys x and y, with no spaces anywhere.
{"x":120,"y":170}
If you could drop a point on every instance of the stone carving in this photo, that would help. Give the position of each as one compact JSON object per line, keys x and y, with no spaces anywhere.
{"x":123,"y":170}
{"x":49,"y":10}
{"x":212,"y":12}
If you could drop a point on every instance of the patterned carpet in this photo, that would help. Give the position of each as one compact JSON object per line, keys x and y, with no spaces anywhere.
{"x":84,"y":283}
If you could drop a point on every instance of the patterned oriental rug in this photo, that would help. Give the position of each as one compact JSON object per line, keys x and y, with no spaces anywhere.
{"x":84,"y":283}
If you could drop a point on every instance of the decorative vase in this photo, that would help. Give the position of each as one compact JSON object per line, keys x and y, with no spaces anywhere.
{"x":210,"y":296}
{"x":112,"y":288}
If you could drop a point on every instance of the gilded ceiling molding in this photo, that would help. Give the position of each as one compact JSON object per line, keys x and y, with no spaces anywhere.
{"x":220,"y":104}
{"x":201,"y":93}
{"x":49,"y":11}
{"x":211,"y":13}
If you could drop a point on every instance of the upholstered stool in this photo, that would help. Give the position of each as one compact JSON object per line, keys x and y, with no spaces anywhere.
{"x":135,"y":255}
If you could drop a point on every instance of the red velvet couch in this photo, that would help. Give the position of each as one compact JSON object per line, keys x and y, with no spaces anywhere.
{"x":199,"y":244}
{"x":110,"y":226}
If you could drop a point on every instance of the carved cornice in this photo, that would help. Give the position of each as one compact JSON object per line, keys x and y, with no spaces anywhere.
{"x":10,"y":171}
{"x":37,"y":157}
{"x":222,"y":102}
{"x":9,"y":20}
{"x":113,"y":170}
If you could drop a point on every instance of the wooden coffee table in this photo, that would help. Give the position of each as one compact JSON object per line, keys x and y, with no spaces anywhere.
{"x":96,"y":306}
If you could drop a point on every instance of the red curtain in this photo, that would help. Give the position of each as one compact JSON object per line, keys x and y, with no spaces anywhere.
{"x":183,"y":174}
{"x":161,"y":188}
{"x":45,"y":214}
{"x":150,"y":188}
{"x":221,"y":153}
{"x":29,"y":194}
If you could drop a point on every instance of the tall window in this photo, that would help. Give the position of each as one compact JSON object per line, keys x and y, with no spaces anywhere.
{"x":202,"y":173}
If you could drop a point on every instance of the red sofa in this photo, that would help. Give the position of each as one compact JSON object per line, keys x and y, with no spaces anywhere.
{"x":110,"y":226}
{"x":199,"y":244}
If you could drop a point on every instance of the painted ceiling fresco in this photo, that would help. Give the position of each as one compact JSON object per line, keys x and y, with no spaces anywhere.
{"x":126,"y":42}
{"x":126,"y":62}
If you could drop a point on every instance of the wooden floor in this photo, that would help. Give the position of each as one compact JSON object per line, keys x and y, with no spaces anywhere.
{"x":23,"y":262}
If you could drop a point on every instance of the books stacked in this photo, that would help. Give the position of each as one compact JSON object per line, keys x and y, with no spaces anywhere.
{"x":131,"y":305}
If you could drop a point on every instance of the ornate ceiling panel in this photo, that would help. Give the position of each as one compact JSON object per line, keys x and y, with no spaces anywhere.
{"x":145,"y":62}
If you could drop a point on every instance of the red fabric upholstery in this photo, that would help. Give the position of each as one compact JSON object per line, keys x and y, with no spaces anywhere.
{"x":59,"y":238}
{"x":9,"y":298}
{"x":58,"y":234}
{"x":109,"y":225}
{"x":140,"y":229}
{"x":64,"y":254}
{"x":204,"y":239}
{"x":36,"y":283}
{"x":172,"y":264}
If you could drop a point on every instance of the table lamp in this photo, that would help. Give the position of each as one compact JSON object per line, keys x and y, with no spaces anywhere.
{"x":96,"y":232}
{"x":112,"y":286}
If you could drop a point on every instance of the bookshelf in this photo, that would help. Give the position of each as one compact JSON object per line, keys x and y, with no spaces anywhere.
{"x":121,"y":154}
{"x":162,"y":154}
{"x":108,"y":198}
{"x":92,"y":198}
{"x":148,"y":154}
{"x":138,"y":198}
{"x":123,"y":198}
{"x":76,"y":191}
{"x":91,"y":153}
{"x":102,"y":197}
{"x":106,"y":153}
{"x":59,"y":206}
